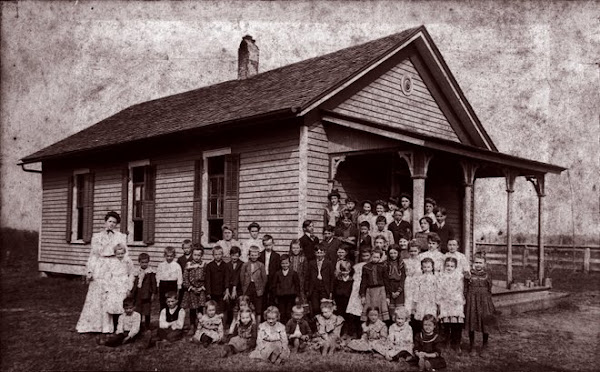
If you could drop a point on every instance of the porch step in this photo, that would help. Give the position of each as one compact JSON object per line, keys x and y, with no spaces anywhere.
{"x":523,"y":301}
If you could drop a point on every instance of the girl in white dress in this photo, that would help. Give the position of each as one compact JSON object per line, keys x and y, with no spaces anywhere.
{"x":452,"y":303}
{"x":118,"y":281}
{"x":94,"y":317}
{"x":427,"y":292}
{"x":412,"y":265}
{"x":355,"y":307}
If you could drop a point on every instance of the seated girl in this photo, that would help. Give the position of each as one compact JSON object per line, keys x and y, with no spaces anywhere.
{"x":210,"y":326}
{"x":271,"y":341}
{"x":329,"y":328}
{"x":428,"y":344}
{"x":400,"y":337}
{"x":374,"y":334}
{"x":244,"y":334}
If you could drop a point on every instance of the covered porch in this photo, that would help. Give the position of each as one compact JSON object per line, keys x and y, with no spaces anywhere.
{"x":370,"y":160}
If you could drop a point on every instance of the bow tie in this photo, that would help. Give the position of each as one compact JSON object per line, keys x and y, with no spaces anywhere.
{"x":110,"y":232}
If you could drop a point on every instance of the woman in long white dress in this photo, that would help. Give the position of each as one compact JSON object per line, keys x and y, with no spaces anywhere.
{"x":94,"y":316}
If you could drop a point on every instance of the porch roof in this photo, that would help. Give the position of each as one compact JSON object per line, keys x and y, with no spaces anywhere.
{"x":493,"y":161}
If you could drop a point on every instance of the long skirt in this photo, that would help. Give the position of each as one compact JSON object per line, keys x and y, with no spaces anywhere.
{"x":94,"y":317}
{"x":265,"y":350}
{"x":214,"y":335}
{"x":239,"y":344}
{"x":375,"y":297}
{"x":479,"y":312}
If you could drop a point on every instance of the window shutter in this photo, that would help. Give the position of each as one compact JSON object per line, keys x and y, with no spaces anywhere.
{"x":88,"y":207}
{"x":231,"y":204}
{"x":124,"y":200}
{"x":69,"y":224}
{"x":197,"y":212}
{"x":148,"y":207}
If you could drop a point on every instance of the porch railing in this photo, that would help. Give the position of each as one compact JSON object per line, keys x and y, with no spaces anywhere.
{"x":579,"y":257}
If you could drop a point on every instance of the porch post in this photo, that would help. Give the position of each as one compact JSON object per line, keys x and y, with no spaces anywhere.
{"x":539,"y":185}
{"x":418,"y":162}
{"x":469,"y":170}
{"x":510,"y":177}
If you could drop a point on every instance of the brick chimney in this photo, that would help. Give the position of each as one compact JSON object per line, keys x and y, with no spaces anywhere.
{"x":247,"y":58}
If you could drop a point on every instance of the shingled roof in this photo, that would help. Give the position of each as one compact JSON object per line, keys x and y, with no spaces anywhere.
{"x":293,"y":87}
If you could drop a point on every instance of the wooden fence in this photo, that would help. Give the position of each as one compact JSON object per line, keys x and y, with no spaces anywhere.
{"x":579,"y":257}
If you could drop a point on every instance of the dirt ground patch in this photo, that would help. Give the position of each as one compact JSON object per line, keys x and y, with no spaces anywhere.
{"x":38,"y":317}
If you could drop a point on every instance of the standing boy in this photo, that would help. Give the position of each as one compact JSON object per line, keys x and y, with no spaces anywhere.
{"x":217,"y":281}
{"x":308,"y":241}
{"x":271,"y":260}
{"x":253,"y":279}
{"x":169,"y":276}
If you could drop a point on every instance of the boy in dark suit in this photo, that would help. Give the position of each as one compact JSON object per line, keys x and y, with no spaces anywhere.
{"x":319,"y":280}
{"x":308,"y":241}
{"x":271,"y":260}
{"x":399,"y":227}
{"x":217,"y":281}
{"x":445,"y":231}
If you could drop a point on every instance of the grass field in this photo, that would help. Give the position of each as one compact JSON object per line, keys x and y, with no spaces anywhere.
{"x":38,"y":317}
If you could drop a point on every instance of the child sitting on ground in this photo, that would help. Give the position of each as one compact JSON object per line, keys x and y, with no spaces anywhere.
{"x":400,"y":337}
{"x":195,"y":295}
{"x":374,"y":334}
{"x":170,"y":321}
{"x":242,"y":302}
{"x":428,"y":343}
{"x":298,"y":329}
{"x":271,"y":341}
{"x":144,"y":288}
{"x":329,"y":328}
{"x":372,"y":287}
{"x":128,"y":327}
{"x":210,"y":326}
{"x":243,"y":335}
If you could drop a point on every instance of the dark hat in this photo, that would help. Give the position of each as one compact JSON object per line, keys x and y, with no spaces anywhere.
{"x":350,"y":199}
{"x":394,"y":200}
{"x":112,"y":214}
{"x":365,"y":202}
{"x":334,"y":192}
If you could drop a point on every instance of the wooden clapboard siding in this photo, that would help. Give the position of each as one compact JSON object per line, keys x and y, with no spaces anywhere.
{"x":107,"y":193}
{"x":53,"y":245}
{"x":383,"y":101}
{"x":318,"y":174}
{"x":268,"y":188}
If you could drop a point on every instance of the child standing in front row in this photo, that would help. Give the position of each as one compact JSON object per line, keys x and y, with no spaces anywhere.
{"x":426,"y":295}
{"x":286,"y":288}
{"x":342,"y":290}
{"x":210,"y":326}
{"x":271,"y":341}
{"x":452,"y":303}
{"x":253,"y":280}
{"x":396,"y":275}
{"x":413,"y":269}
{"x":194,"y":280}
{"x":144,"y":287}
{"x":374,"y":334}
{"x":433,"y":252}
{"x":118,"y":280}
{"x":319,"y":280}
{"x":329,"y":328}
{"x":169,"y":276}
{"x":217,"y":280}
{"x":372,"y":287}
{"x":355,"y":307}
{"x":480,"y":308}
{"x":428,"y":344}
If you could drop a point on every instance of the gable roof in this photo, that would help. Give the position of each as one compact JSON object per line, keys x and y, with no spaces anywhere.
{"x":291,"y":90}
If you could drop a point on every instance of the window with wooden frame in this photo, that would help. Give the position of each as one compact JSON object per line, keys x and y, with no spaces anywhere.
{"x":138,"y":194}
{"x":80,"y":207}
{"x":217,"y":189}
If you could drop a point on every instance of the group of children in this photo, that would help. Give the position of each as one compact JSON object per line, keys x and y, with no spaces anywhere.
{"x":375,"y":291}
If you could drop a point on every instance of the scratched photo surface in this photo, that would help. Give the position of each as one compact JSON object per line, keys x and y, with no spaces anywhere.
{"x":529,"y":69}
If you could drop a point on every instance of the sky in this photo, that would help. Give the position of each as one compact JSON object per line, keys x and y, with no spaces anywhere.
{"x":530,"y":69}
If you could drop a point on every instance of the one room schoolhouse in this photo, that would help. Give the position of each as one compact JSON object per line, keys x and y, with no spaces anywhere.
{"x":372,"y":120}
